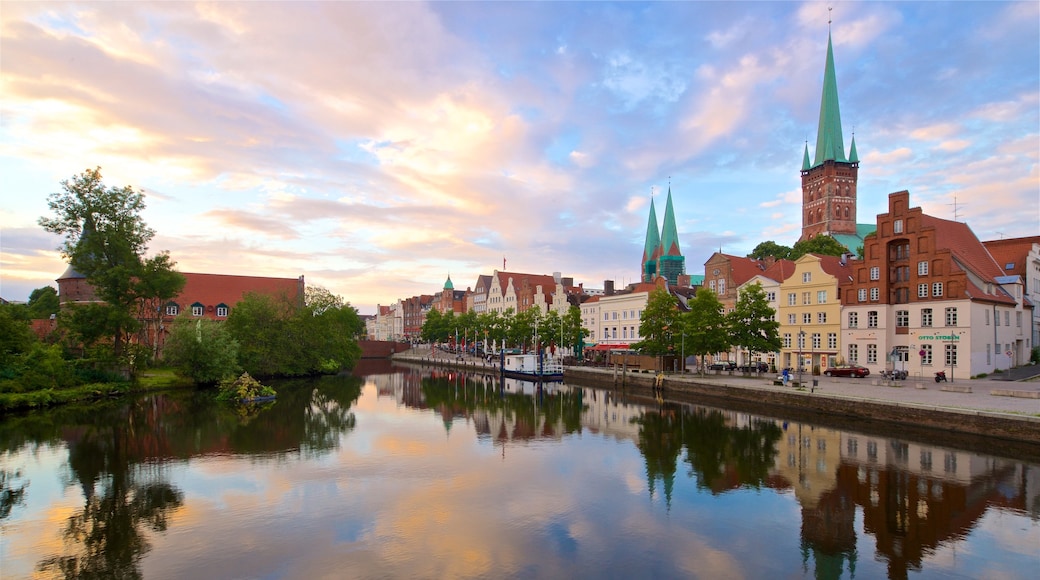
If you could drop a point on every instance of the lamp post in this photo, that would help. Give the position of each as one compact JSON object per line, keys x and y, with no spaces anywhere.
{"x":801,"y":345}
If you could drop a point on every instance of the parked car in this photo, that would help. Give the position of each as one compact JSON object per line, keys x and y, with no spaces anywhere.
{"x":755,"y":367}
{"x":847,"y":371}
{"x":722,"y":366}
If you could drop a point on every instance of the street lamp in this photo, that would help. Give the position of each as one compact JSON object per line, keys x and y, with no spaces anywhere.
{"x":801,"y":345}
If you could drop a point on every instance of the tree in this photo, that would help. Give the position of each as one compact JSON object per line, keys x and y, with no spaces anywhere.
{"x":105,"y":241}
{"x":658,"y":325}
{"x":202,"y":349}
{"x":770,"y":249}
{"x":705,"y":325}
{"x":573,"y":329}
{"x":752,"y":321}
{"x":43,"y":302}
{"x":823,"y":245}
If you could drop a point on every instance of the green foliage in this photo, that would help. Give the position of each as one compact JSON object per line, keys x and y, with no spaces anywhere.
{"x":16,"y":336}
{"x":823,"y":245}
{"x":659,"y":325}
{"x":201,"y":349}
{"x":752,"y":322}
{"x":277,"y":337}
{"x":706,"y":326}
{"x":105,"y":240}
{"x":243,"y":388}
{"x":770,"y":249}
{"x":1034,"y":355}
{"x":43,"y":302}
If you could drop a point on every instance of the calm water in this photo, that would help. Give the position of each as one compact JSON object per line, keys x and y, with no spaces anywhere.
{"x":410,"y":474}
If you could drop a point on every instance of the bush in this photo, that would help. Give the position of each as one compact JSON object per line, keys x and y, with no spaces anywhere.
{"x":243,"y":388}
{"x":202,"y":349}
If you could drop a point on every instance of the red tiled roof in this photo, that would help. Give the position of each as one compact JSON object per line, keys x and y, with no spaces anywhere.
{"x":833,"y":266}
{"x":780,"y":270}
{"x":1012,"y":251}
{"x":744,"y":268}
{"x":212,"y":290}
{"x":963,"y":244}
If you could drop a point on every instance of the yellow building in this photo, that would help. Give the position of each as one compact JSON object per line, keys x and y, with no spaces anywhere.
{"x":810,"y":314}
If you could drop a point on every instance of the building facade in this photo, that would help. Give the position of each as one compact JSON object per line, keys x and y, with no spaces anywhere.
{"x":810,"y":314}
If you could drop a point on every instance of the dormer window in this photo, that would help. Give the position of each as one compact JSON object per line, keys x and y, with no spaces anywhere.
{"x":172,"y":309}
{"x":197,"y":309}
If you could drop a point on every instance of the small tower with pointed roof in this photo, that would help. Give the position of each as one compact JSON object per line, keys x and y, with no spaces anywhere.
{"x":671,"y":264}
{"x":829,"y":180}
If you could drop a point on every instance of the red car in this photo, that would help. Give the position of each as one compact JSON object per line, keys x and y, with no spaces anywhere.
{"x":847,"y":371}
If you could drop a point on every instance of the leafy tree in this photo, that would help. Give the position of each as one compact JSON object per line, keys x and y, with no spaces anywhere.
{"x":522,"y":327}
{"x":770,"y":248}
{"x":16,"y":338}
{"x":705,"y":325}
{"x":201,"y":349}
{"x":105,"y":240}
{"x":822,"y":244}
{"x":573,"y":329}
{"x":260,"y":323}
{"x":432,"y":329}
{"x":752,"y":321}
{"x":43,"y":302}
{"x":658,"y":325}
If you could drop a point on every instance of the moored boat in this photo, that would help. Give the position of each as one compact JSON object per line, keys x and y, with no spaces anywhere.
{"x":535,"y":367}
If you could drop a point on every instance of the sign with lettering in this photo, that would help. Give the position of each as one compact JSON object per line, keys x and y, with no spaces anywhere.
{"x":947,"y":337}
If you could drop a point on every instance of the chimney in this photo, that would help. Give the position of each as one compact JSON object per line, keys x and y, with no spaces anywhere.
{"x":608,"y":287}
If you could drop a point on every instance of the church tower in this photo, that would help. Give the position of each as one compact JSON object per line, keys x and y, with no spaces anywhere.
{"x":671,"y":264}
{"x":829,"y":181}
{"x":651,"y":248}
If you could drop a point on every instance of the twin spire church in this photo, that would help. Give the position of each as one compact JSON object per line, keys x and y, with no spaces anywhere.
{"x":829,"y":181}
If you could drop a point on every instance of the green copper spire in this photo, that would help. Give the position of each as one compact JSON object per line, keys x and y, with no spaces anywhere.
{"x":853,"y":158}
{"x":652,"y":247}
{"x":669,"y":234}
{"x":806,"y":166}
{"x":829,"y":146}
{"x":448,"y":285}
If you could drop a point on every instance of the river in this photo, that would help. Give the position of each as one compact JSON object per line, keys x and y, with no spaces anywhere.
{"x":407,"y":473}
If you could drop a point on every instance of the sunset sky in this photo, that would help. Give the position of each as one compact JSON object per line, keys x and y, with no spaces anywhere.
{"x":376,"y":148}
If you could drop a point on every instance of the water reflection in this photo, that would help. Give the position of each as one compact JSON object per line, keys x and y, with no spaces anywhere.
{"x":722,"y":487}
{"x":118,"y":452}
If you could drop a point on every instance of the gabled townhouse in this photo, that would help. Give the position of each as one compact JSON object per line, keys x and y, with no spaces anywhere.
{"x":810,"y":313}
{"x":413,"y":315}
{"x":476,"y":301}
{"x":770,"y":280}
{"x":927,"y":296}
{"x":519,"y":291}
{"x":1020,"y":257}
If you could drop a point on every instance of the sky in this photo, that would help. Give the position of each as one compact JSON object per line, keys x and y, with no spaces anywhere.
{"x":378,"y":148}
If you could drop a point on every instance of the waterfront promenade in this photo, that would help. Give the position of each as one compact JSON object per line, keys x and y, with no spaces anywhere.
{"x":987,"y":406}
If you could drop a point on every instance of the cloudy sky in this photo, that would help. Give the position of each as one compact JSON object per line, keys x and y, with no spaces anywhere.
{"x":376,"y":148}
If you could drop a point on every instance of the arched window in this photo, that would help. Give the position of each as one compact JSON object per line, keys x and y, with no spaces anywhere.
{"x":846,"y":212}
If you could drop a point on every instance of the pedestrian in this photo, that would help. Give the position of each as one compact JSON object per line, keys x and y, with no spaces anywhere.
{"x":786,"y":376}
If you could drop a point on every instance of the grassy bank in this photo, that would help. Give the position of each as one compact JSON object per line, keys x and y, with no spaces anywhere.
{"x":150,"y":380}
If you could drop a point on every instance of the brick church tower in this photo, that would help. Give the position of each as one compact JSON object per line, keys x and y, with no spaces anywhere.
{"x":829,"y":181}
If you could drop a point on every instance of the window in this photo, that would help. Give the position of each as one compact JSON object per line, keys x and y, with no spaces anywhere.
{"x":853,"y":353}
{"x":791,"y":299}
{"x":897,"y":227}
{"x":875,"y":273}
{"x":937,"y":289}
{"x":922,"y":290}
{"x":606,"y":316}
{"x":801,"y":340}
{"x":821,"y":318}
{"x":770,"y":296}
{"x":926,"y":358}
{"x":872,"y":319}
{"x":806,"y":277}
{"x":624,"y":314}
{"x":787,"y":340}
{"x":624,"y":332}
{"x":874,"y":294}
{"x":821,"y":297}
{"x":613,"y":315}
{"x":986,"y":313}
{"x":222,"y":311}
{"x":832,"y":340}
{"x":988,"y":355}
{"x":807,"y":318}
{"x":951,"y":355}
{"x":922,"y":268}
{"x":806,"y":298}
{"x":853,"y":319}
{"x":926,"y":317}
{"x":722,"y":286}
{"x":1007,"y":318}
{"x":871,"y":354}
{"x":172,"y":310}
{"x":197,"y":309}
{"x":862,"y":295}
{"x":791,"y":319}
{"x":902,"y":318}
{"x":816,"y":340}
{"x":1018,"y":319}
{"x":711,"y":285}
{"x":951,"y":317}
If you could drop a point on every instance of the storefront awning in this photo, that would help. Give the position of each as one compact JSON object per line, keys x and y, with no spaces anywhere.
{"x":608,"y":347}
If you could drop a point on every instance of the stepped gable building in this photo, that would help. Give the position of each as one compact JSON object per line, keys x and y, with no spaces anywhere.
{"x":520,"y":291}
{"x":476,"y":300}
{"x":661,"y":254}
{"x":927,"y":296}
{"x":1021,"y":257}
{"x":829,"y":180}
